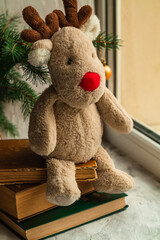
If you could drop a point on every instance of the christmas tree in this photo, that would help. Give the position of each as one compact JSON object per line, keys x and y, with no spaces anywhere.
{"x":15,"y":86}
{"x":16,"y":72}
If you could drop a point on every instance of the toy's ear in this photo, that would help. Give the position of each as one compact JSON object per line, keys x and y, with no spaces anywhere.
{"x":40,"y":52}
{"x":92,"y":27}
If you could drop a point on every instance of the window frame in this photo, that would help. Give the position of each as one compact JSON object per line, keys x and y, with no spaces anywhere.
{"x":142,"y":144}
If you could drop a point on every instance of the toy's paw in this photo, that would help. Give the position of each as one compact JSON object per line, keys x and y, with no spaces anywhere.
{"x":63,"y":195}
{"x":113,"y":181}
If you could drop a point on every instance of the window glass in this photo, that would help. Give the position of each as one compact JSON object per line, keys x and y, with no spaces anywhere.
{"x":140,"y":61}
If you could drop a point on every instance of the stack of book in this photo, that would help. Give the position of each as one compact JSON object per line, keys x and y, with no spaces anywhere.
{"x":23,"y":204}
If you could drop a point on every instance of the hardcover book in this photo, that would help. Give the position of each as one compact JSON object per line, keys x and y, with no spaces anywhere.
{"x":54,"y":221}
{"x":18,"y":164}
{"x":22,"y":201}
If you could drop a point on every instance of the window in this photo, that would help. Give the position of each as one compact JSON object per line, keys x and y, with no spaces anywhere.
{"x":136,"y":76}
{"x":140,"y":63}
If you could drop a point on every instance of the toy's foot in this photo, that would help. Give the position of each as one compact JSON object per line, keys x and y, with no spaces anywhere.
{"x":63,"y":194}
{"x":62,"y":188}
{"x":113,"y":181}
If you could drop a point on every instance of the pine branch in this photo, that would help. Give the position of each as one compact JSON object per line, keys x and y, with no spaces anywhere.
{"x":35,"y":74}
{"x":15,"y":89}
{"x":14,"y":49}
{"x":108,"y":41}
{"x":14,"y":53}
{"x":5,"y":126}
{"x":9,"y":23}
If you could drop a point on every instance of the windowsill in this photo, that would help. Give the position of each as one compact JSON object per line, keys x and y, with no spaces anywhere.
{"x":140,"y":221}
{"x":139,"y":147}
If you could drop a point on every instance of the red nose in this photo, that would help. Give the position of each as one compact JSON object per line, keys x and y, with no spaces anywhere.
{"x":90,"y":81}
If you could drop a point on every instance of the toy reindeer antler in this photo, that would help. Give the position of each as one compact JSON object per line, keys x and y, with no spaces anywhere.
{"x":73,"y":18}
{"x":40,"y":29}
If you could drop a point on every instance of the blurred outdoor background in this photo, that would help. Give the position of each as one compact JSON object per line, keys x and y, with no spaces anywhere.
{"x":140,"y":60}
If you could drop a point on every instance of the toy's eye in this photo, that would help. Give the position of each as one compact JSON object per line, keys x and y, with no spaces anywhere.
{"x":93,"y":55}
{"x":69,"y":61}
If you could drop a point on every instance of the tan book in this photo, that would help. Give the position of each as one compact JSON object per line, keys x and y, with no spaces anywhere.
{"x":18,"y":164}
{"x":89,"y":208}
{"x":22,"y":201}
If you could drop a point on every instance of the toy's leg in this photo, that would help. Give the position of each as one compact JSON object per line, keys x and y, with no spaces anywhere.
{"x":62,"y":188}
{"x":110,"y":179}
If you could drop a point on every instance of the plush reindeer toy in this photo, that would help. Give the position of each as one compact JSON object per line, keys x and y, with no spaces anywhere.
{"x":66,"y":124}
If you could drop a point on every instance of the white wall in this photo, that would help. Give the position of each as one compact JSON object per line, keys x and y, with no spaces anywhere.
{"x":43,"y":7}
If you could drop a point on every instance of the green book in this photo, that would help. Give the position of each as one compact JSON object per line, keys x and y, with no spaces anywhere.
{"x":87,"y":209}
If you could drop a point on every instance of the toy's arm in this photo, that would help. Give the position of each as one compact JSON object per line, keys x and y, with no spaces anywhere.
{"x":113,"y":113}
{"x":42,"y":126}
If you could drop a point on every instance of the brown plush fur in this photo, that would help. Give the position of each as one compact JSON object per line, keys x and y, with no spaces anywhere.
{"x":44,"y":30}
{"x":70,"y":7}
{"x":66,"y":123}
{"x":41,"y":30}
{"x":84,"y":14}
{"x":113,"y":113}
{"x":71,"y":43}
{"x":62,"y":19}
{"x":73,"y":144}
{"x":60,"y":173}
{"x":42,"y":128}
{"x":110,"y":180}
{"x":30,"y":35}
{"x":73,"y":18}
